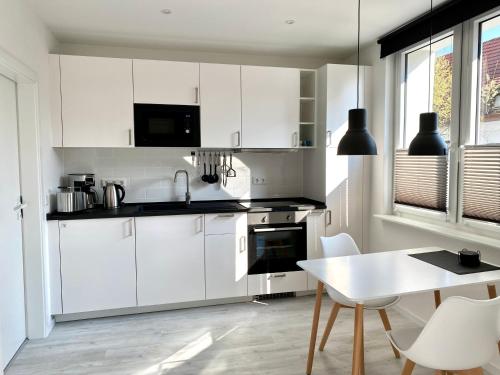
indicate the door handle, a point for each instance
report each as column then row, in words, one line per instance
column 238, row 137
column 276, row 276
column 328, row 138
column 130, row 229
column 225, row 215
column 196, row 95
column 243, row 246
column 328, row 217
column 199, row 221
column 295, row 139
column 20, row 206
column 130, row 137
column 284, row 229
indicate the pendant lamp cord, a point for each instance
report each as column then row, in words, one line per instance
column 359, row 32
column 429, row 105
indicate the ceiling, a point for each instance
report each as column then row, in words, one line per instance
column 322, row 28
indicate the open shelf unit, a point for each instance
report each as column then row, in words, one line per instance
column 307, row 124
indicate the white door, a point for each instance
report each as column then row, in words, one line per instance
column 166, row 82
column 97, row 264
column 226, row 256
column 97, row 102
column 12, row 310
column 170, row 259
column 270, row 107
column 220, row 90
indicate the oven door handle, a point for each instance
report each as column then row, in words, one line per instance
column 260, row 230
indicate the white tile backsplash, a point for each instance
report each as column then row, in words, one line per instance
column 150, row 173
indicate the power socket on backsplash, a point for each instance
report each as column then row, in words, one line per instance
column 259, row 181
column 123, row 181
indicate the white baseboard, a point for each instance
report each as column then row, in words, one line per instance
column 491, row 368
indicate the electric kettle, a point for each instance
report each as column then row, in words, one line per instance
column 113, row 195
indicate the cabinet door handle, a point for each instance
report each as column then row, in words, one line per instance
column 243, row 244
column 276, row 276
column 328, row 217
column 130, row 229
column 199, row 226
column 295, row 138
column 196, row 95
column 328, row 138
column 238, row 137
column 225, row 215
column 130, row 137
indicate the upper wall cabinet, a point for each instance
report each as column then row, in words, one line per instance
column 270, row 107
column 96, row 101
column 220, row 87
column 166, row 82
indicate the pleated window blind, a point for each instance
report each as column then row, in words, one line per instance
column 481, row 191
column 421, row 181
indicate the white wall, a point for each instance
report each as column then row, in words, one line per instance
column 385, row 236
column 150, row 173
column 26, row 39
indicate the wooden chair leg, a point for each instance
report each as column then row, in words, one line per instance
column 358, row 345
column 387, row 327
column 314, row 328
column 437, row 298
column 408, row 369
column 331, row 320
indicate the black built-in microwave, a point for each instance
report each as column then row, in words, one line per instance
column 165, row 125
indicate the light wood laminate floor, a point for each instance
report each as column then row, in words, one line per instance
column 270, row 337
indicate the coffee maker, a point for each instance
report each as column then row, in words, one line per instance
column 84, row 182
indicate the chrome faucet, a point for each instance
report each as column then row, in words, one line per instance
column 188, row 195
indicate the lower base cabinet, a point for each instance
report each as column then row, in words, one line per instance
column 269, row 283
column 97, row 264
column 315, row 230
column 170, row 259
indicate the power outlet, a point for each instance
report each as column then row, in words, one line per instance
column 259, row 180
column 115, row 180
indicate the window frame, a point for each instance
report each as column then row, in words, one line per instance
column 465, row 113
column 400, row 121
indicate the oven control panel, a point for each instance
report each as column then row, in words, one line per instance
column 264, row 218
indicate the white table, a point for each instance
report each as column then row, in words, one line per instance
column 361, row 278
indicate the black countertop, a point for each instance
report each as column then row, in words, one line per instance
column 171, row 208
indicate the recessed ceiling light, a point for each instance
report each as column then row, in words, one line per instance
column 166, row 11
column 290, row 22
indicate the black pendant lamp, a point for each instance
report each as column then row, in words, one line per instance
column 357, row 140
column 428, row 141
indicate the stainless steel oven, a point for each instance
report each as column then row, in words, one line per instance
column 276, row 241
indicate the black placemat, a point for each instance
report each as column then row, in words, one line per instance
column 449, row 261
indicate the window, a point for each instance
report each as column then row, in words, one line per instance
column 423, row 181
column 465, row 92
column 416, row 95
column 488, row 120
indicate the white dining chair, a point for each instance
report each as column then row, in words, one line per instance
column 460, row 337
column 343, row 245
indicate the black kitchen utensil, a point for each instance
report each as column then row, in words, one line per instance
column 210, row 178
column 216, row 176
column 204, row 178
column 469, row 258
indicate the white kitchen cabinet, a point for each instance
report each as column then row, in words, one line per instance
column 315, row 230
column 270, row 107
column 170, row 259
column 97, row 264
column 97, row 101
column 226, row 257
column 282, row 282
column 220, row 90
column 55, row 100
column 166, row 82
